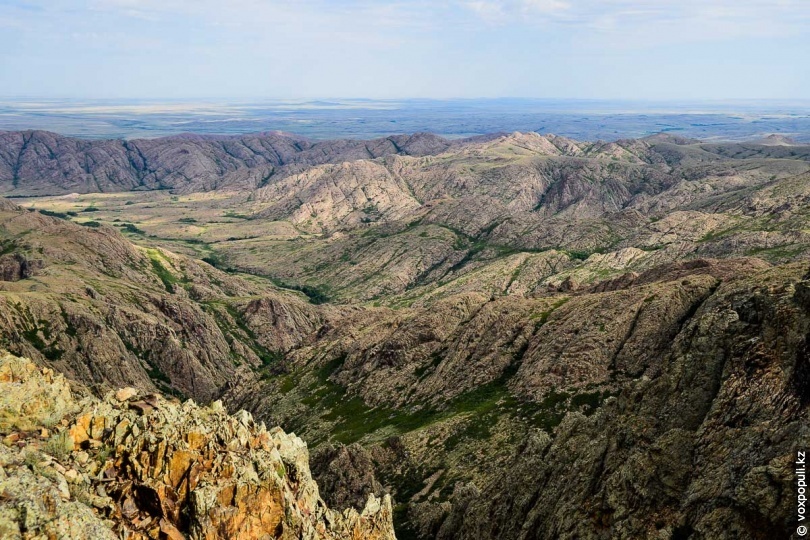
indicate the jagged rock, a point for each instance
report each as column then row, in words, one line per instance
column 31, row 397
column 125, row 394
column 173, row 470
column 37, row 503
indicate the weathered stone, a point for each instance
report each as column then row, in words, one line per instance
column 126, row 393
column 225, row 476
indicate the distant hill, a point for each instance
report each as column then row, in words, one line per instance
column 44, row 163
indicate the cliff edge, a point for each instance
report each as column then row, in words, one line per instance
column 140, row 466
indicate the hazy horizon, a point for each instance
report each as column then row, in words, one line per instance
column 589, row 69
column 333, row 118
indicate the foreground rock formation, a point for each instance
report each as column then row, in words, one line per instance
column 139, row 466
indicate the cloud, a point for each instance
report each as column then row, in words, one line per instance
column 403, row 47
column 728, row 17
column 504, row 11
column 401, row 12
column 374, row 17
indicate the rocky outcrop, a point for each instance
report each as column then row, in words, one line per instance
column 17, row 266
column 328, row 197
column 139, row 466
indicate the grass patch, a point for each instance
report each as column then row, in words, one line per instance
column 315, row 293
column 778, row 253
column 8, row 246
column 287, row 384
column 352, row 418
column 582, row 255
column 59, row 445
column 166, row 277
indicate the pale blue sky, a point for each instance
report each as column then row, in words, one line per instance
column 629, row 49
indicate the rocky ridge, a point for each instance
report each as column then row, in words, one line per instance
column 40, row 162
column 140, row 466
column 522, row 337
column 410, row 220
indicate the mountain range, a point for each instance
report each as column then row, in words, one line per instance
column 514, row 336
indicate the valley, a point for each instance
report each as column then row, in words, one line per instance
column 515, row 336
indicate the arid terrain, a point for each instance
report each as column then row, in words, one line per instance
column 514, row 336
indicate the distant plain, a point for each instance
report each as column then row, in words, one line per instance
column 363, row 119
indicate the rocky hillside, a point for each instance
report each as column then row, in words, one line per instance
column 91, row 305
column 516, row 214
column 140, row 466
column 502, row 215
column 43, row 163
column 516, row 337
column 669, row 405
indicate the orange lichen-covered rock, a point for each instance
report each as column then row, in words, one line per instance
column 159, row 469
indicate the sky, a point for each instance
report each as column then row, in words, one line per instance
column 392, row 49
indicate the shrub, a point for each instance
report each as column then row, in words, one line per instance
column 59, row 445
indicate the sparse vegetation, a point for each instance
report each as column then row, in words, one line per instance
column 130, row 228
column 166, row 277
column 60, row 215
column 59, row 445
column 443, row 342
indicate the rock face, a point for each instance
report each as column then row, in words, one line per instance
column 346, row 475
column 16, row 266
column 701, row 447
column 144, row 467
